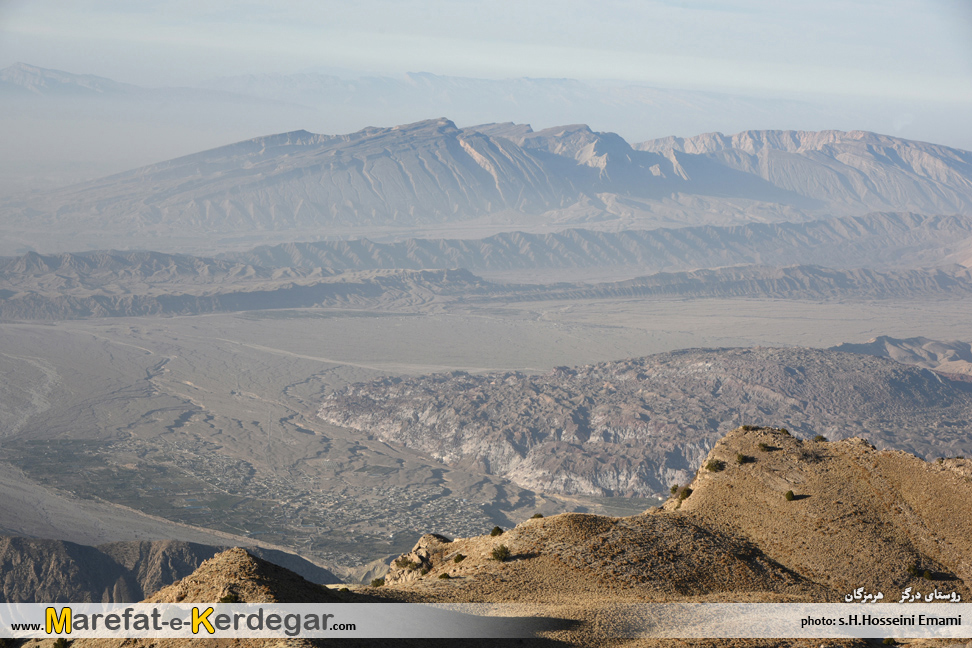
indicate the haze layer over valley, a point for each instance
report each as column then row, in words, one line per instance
column 332, row 345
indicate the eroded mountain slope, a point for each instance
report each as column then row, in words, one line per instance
column 634, row 427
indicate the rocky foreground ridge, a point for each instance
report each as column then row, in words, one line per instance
column 37, row 570
column 634, row 427
column 856, row 517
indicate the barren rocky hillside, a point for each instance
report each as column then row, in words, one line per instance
column 634, row 427
column 859, row 517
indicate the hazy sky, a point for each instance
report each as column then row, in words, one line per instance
column 884, row 48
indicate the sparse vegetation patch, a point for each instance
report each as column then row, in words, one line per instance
column 497, row 531
column 715, row 465
column 501, row 553
column 459, row 558
column 377, row 582
column 789, row 496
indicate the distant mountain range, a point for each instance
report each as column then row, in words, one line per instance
column 878, row 240
column 61, row 127
column 34, row 287
column 432, row 175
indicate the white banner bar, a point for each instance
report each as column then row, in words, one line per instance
column 457, row 621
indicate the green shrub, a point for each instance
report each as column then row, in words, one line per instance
column 501, row 553
column 459, row 558
column 888, row 641
column 749, row 428
column 928, row 575
column 820, row 438
column 914, row 571
column 345, row 589
column 378, row 582
column 425, row 570
column 444, row 576
column 684, row 492
column 405, row 563
column 496, row 531
column 785, row 431
column 715, row 465
column 744, row 459
column 789, row 496
column 763, row 446
column 60, row 642
column 231, row 597
column 673, row 489
column 536, row 516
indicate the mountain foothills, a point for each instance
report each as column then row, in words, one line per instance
column 897, row 248
column 637, row 426
column 497, row 177
column 876, row 240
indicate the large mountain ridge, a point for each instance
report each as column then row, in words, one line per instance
column 501, row 177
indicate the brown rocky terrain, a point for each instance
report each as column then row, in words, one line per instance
column 634, row 427
column 860, row 518
column 36, row 570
